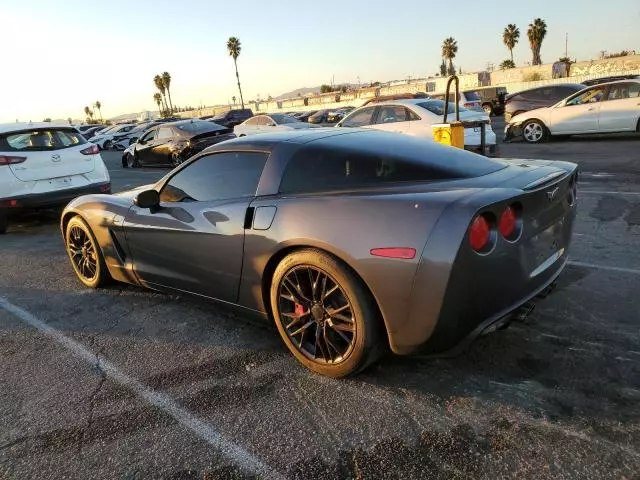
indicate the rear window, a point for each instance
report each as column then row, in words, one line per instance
column 377, row 160
column 197, row 126
column 437, row 107
column 40, row 140
column 472, row 96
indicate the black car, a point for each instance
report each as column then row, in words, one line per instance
column 492, row 99
column 232, row 118
column 598, row 81
column 173, row 143
column 304, row 116
column 538, row 97
column 321, row 116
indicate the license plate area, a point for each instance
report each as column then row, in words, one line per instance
column 546, row 248
column 61, row 182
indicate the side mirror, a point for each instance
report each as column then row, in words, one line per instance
column 133, row 140
column 147, row 199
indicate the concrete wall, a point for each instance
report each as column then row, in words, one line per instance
column 514, row 79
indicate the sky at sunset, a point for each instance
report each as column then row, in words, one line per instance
column 59, row 56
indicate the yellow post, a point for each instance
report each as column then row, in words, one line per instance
column 449, row 134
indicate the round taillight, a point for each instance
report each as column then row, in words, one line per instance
column 479, row 233
column 507, row 223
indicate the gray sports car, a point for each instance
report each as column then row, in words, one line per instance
column 350, row 241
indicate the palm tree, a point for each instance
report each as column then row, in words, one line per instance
column 234, row 48
column 234, row 99
column 507, row 64
column 157, row 80
column 88, row 113
column 510, row 37
column 536, row 33
column 449, row 50
column 98, row 105
column 166, row 81
column 158, row 99
column 70, row 121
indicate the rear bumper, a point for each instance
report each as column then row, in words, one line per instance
column 50, row 199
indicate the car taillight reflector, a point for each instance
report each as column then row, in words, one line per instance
column 394, row 252
column 479, row 233
column 507, row 222
column 11, row 160
column 8, row 203
column 92, row 150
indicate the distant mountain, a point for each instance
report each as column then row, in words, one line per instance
column 303, row 91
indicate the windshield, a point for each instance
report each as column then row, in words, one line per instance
column 281, row 119
column 437, row 107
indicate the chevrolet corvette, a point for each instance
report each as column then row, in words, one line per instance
column 352, row 241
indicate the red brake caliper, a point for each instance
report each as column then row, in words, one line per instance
column 299, row 309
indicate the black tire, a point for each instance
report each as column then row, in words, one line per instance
column 107, row 144
column 534, row 131
column 176, row 159
column 356, row 336
column 4, row 224
column 89, row 254
column 131, row 161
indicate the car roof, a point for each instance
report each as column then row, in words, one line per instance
column 403, row 101
column 21, row 126
column 615, row 82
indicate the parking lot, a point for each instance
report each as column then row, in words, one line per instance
column 131, row 384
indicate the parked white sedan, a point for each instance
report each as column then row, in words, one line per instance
column 606, row 108
column 416, row 116
column 268, row 123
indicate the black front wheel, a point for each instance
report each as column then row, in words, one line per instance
column 326, row 316
column 85, row 254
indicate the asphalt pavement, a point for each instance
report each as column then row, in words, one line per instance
column 125, row 383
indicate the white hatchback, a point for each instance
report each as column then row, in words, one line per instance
column 416, row 117
column 46, row 165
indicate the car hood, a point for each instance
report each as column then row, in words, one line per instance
column 540, row 113
column 297, row 126
column 130, row 194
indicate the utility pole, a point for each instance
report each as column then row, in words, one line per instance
column 566, row 44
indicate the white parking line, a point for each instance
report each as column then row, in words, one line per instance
column 603, row 192
column 604, row 267
column 163, row 402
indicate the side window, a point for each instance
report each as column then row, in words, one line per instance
column 164, row 133
column 593, row 95
column 391, row 114
column 623, row 91
column 411, row 115
column 218, row 176
column 359, row 118
column 317, row 169
column 149, row 136
column 252, row 121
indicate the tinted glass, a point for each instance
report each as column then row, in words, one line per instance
column 197, row 126
column 377, row 160
column 359, row 118
column 40, row 140
column 149, row 136
column 472, row 96
column 217, row 176
column 437, row 107
column 281, row 119
column 164, row 133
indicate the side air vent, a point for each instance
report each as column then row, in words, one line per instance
column 117, row 246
